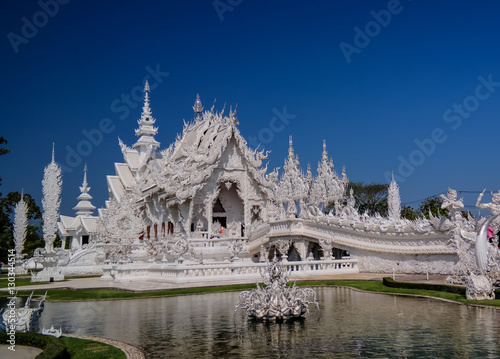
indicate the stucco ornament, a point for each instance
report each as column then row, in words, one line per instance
column 119, row 226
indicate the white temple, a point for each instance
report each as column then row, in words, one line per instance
column 206, row 208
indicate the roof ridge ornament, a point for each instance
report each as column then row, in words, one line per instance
column 213, row 106
column 198, row 108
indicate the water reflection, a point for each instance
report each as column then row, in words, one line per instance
column 348, row 324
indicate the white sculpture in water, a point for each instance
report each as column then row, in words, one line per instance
column 52, row 331
column 276, row 302
column 52, row 185
column 25, row 317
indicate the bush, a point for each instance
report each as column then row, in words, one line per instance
column 389, row 282
column 53, row 348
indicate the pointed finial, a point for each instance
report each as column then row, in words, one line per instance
column 146, row 86
column 290, row 141
column 324, row 145
column 198, row 108
column 212, row 109
column 53, row 151
column 85, row 176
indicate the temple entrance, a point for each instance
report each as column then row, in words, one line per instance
column 228, row 210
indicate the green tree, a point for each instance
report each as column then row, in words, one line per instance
column 3, row 151
column 432, row 205
column 370, row 198
column 409, row 213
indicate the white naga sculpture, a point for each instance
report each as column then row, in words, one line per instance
column 479, row 285
column 23, row 319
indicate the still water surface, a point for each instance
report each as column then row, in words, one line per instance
column 349, row 324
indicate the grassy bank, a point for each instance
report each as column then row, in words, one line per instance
column 365, row 285
column 89, row 349
column 66, row 347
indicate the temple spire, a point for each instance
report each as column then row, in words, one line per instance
column 146, row 131
column 290, row 147
column 84, row 207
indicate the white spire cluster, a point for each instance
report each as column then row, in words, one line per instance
column 327, row 186
column 292, row 183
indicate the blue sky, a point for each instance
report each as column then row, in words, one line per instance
column 406, row 86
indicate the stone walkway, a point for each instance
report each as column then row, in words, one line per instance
column 21, row 352
column 130, row 351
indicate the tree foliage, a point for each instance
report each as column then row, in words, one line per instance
column 370, row 198
column 432, row 205
column 3, row 151
column 409, row 213
column 7, row 203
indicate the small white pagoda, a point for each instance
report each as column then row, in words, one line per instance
column 77, row 230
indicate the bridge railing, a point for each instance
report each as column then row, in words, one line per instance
column 237, row 271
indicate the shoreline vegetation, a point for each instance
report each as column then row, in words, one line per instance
column 66, row 347
column 449, row 293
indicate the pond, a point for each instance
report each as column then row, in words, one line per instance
column 348, row 324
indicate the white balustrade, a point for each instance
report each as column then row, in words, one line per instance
column 228, row 272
